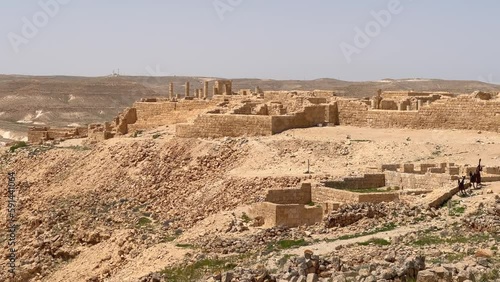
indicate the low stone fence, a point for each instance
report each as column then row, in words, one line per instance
column 417, row 181
column 37, row 135
column 290, row 196
column 322, row 194
column 367, row 181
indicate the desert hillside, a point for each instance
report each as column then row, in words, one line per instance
column 138, row 207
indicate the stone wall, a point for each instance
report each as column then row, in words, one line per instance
column 37, row 135
column 449, row 113
column 288, row 207
column 266, row 211
column 154, row 114
column 417, row 181
column 437, row 198
column 322, row 194
column 292, row 215
column 290, row 196
column 297, row 215
column 388, row 105
column 128, row 116
column 368, row 181
column 99, row 132
column 234, row 125
column 492, row 170
column 390, row 167
column 378, row 197
column 311, row 116
column 216, row 125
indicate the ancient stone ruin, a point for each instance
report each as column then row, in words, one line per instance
column 262, row 113
column 288, row 207
column 38, row 135
column 306, row 205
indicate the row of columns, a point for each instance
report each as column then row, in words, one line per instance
column 199, row 93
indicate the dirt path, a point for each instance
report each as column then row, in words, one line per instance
column 324, row 248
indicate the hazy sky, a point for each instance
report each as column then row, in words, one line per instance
column 279, row 39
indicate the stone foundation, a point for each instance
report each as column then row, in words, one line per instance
column 368, row 181
column 38, row 135
column 321, row 194
column 234, row 125
column 288, row 207
column 447, row 113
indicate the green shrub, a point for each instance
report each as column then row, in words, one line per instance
column 197, row 270
column 284, row 244
column 375, row 241
column 18, row 145
column 245, row 218
column 186, row 246
column 136, row 133
column 143, row 221
column 287, row 244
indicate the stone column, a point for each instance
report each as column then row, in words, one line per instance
column 205, row 90
column 171, row 90
column 374, row 103
column 400, row 106
column 419, row 104
column 378, row 99
column 229, row 89
column 187, row 90
column 408, row 108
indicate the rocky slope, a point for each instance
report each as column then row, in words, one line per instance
column 128, row 207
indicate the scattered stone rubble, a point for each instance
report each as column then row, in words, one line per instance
column 487, row 218
column 314, row 268
column 391, row 212
column 251, row 242
column 394, row 263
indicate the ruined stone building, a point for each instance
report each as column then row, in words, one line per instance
column 262, row 113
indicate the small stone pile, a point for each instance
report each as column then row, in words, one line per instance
column 252, row 242
column 393, row 212
column 236, row 225
column 351, row 214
